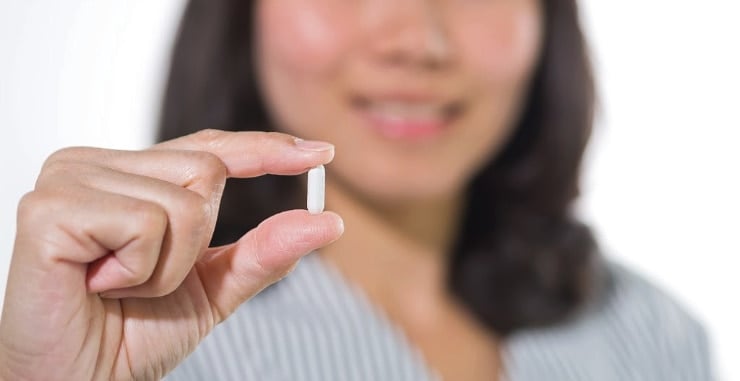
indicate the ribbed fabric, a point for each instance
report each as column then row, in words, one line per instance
column 315, row 326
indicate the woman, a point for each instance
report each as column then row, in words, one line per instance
column 459, row 128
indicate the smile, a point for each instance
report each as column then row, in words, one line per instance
column 407, row 119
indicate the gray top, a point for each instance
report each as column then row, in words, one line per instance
column 314, row 325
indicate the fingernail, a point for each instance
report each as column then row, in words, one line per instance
column 340, row 225
column 313, row 145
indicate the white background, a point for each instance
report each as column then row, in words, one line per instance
column 661, row 186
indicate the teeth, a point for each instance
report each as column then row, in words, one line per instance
column 406, row 111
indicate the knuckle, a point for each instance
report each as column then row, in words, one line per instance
column 36, row 207
column 208, row 166
column 269, row 245
column 57, row 170
column 66, row 153
column 70, row 154
column 193, row 205
column 260, row 268
column 149, row 216
column 276, row 137
column 70, row 163
column 286, row 271
column 31, row 207
column 53, row 166
column 258, row 263
column 207, row 137
column 193, row 211
column 36, row 221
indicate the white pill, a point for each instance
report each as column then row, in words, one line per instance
column 315, row 190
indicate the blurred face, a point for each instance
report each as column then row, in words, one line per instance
column 416, row 95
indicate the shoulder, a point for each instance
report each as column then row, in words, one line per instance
column 636, row 302
column 649, row 316
column 632, row 330
column 664, row 335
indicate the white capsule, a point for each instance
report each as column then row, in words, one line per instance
column 315, row 190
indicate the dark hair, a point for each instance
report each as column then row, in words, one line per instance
column 521, row 259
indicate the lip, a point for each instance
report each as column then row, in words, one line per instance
column 406, row 116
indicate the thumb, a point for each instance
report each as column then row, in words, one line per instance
column 234, row 273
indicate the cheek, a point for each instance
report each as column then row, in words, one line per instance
column 300, row 36
column 502, row 44
column 301, row 48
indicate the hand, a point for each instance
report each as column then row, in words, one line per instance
column 111, row 275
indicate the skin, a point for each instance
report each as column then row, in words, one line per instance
column 111, row 276
column 316, row 56
column 402, row 198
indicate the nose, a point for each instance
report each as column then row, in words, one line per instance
column 412, row 33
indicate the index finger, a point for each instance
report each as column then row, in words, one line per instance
column 255, row 153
